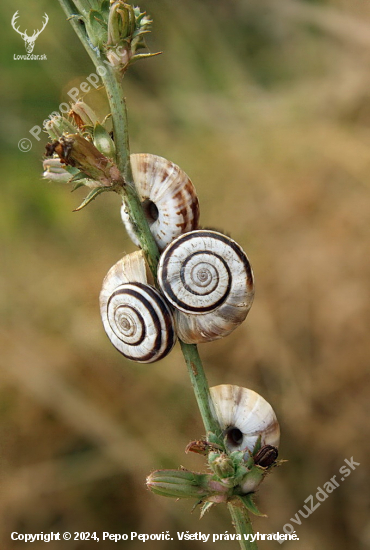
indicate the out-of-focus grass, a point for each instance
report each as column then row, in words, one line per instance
column 266, row 106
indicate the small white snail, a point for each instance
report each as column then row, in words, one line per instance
column 244, row 416
column 136, row 318
column 168, row 197
column 208, row 279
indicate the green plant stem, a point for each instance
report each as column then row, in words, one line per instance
column 113, row 88
column 242, row 524
column 200, row 386
column 112, row 82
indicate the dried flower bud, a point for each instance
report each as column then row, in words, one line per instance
column 76, row 151
column 83, row 115
column 201, row 447
column 59, row 125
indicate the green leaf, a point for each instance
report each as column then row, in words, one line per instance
column 78, row 177
column 138, row 56
column 103, row 142
column 212, row 438
column 100, row 20
column 77, row 185
column 94, row 4
column 83, row 6
column 72, row 170
column 237, row 456
column 257, row 446
column 132, row 20
column 96, row 28
column 90, row 197
column 104, row 8
column 206, row 508
column 249, row 462
column 248, row 502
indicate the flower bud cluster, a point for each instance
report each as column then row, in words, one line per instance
column 234, row 475
column 237, row 471
column 115, row 28
column 82, row 152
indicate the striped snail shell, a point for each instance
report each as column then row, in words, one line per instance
column 168, row 197
column 244, row 416
column 208, row 279
column 136, row 318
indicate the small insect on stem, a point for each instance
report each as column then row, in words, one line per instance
column 266, row 456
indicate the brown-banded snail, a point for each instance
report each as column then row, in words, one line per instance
column 244, row 417
column 208, row 279
column 136, row 318
column 168, row 197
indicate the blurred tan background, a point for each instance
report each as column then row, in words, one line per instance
column 266, row 105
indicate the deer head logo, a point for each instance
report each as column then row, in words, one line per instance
column 29, row 41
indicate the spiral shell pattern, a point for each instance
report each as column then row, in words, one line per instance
column 168, row 197
column 244, row 416
column 208, row 279
column 136, row 318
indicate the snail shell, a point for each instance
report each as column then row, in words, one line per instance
column 244, row 415
column 168, row 197
column 136, row 318
column 208, row 279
